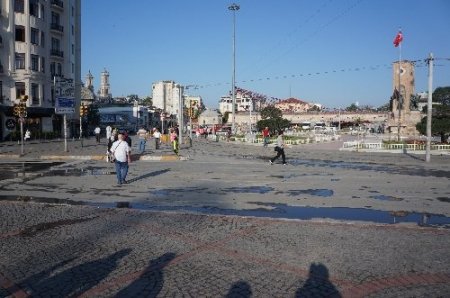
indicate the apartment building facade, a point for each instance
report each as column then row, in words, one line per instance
column 40, row 44
column 166, row 96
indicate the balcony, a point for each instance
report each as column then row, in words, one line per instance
column 56, row 53
column 56, row 27
column 58, row 4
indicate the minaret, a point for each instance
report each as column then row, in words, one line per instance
column 89, row 83
column 104, row 85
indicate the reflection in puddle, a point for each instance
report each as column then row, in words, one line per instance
column 249, row 189
column 269, row 210
column 314, row 192
column 386, row 198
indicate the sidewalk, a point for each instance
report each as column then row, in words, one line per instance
column 163, row 247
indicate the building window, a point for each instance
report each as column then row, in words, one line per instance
column 34, row 62
column 20, row 33
column 59, row 69
column 73, row 68
column 19, row 6
column 73, row 30
column 20, row 60
column 55, row 44
column 42, row 12
column 34, row 36
column 34, row 93
column 53, row 69
column 34, row 8
column 1, row 91
column 42, row 39
column 55, row 18
column 20, row 89
column 73, row 11
column 73, row 49
column 43, row 64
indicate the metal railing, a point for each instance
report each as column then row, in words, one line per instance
column 56, row 27
column 385, row 146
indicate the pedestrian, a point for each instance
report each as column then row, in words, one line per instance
column 108, row 132
column 122, row 155
column 228, row 134
column 27, row 135
column 174, row 140
column 279, row 148
column 97, row 134
column 127, row 138
column 266, row 135
column 142, row 135
column 157, row 136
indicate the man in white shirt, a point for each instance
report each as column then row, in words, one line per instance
column 157, row 136
column 122, row 153
column 97, row 134
column 142, row 135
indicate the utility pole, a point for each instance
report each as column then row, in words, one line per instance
column 234, row 7
column 429, row 106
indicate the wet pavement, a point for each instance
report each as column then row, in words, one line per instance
column 225, row 222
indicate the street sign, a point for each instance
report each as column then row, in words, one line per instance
column 65, row 105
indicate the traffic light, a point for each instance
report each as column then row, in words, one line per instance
column 23, row 98
column 83, row 110
column 16, row 110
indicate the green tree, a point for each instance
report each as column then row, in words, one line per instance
column 272, row 118
column 225, row 117
column 93, row 116
column 352, row 108
column 148, row 101
column 440, row 120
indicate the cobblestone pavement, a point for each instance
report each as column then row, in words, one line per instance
column 60, row 250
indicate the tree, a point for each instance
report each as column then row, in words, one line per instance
column 272, row 118
column 352, row 108
column 271, row 112
column 93, row 116
column 440, row 120
column 148, row 101
column 225, row 117
column 442, row 95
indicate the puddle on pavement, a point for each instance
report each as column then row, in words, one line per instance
column 444, row 199
column 27, row 169
column 386, row 198
column 23, row 169
column 391, row 169
column 165, row 192
column 269, row 210
column 313, row 192
column 249, row 189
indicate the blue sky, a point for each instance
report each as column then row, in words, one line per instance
column 278, row 44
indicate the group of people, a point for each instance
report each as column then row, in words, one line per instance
column 119, row 147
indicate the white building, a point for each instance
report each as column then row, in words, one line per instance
column 39, row 40
column 166, row 96
column 246, row 100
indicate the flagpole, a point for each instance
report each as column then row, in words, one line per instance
column 399, row 105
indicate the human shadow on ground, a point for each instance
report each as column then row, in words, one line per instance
column 318, row 283
column 75, row 280
column 151, row 281
column 239, row 289
column 151, row 174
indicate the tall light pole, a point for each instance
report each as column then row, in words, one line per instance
column 233, row 7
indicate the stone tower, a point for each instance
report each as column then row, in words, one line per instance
column 89, row 83
column 105, row 91
column 403, row 119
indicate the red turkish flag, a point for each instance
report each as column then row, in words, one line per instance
column 398, row 39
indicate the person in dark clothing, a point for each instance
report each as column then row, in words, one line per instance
column 127, row 138
column 279, row 148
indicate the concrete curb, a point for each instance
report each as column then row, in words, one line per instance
column 98, row 157
column 401, row 151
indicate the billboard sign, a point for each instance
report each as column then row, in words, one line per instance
column 65, row 105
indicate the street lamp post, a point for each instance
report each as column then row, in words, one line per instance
column 234, row 7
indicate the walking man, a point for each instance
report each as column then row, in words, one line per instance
column 142, row 135
column 97, row 134
column 157, row 136
column 122, row 154
column 279, row 148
